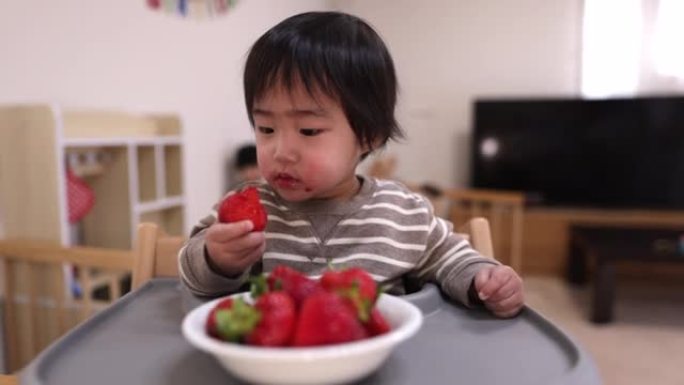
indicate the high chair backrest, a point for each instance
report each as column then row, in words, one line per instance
column 40, row 304
column 8, row 379
column 479, row 235
column 156, row 254
column 502, row 209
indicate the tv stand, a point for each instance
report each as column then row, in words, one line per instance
column 547, row 234
column 608, row 247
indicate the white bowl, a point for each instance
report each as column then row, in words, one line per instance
column 331, row 364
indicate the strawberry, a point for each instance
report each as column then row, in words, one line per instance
column 210, row 325
column 377, row 324
column 233, row 320
column 356, row 285
column 327, row 318
column 243, row 205
column 298, row 285
column 277, row 320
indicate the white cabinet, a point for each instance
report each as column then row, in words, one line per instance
column 133, row 163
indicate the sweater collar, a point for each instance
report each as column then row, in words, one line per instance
column 332, row 206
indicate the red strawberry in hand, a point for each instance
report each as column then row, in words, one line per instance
column 327, row 318
column 277, row 321
column 241, row 206
column 356, row 285
column 298, row 285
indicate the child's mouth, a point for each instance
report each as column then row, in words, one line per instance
column 286, row 181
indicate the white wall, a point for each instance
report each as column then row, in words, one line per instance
column 449, row 52
column 116, row 54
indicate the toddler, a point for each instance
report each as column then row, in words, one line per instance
column 320, row 90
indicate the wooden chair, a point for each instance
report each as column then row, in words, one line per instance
column 39, row 306
column 156, row 254
column 477, row 231
column 504, row 211
column 8, row 379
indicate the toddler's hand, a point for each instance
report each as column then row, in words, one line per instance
column 501, row 290
column 233, row 247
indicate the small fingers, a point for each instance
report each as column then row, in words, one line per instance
column 481, row 278
column 253, row 255
column 249, row 258
column 242, row 244
column 509, row 288
column 508, row 307
column 226, row 232
column 498, row 277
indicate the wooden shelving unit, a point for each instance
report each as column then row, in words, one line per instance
column 545, row 247
column 139, row 178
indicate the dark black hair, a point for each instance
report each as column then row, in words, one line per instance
column 246, row 156
column 334, row 53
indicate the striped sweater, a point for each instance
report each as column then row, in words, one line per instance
column 386, row 229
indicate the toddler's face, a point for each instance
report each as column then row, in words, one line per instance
column 306, row 148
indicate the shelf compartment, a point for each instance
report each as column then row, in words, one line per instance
column 160, row 204
column 147, row 175
column 170, row 219
column 108, row 223
column 173, row 159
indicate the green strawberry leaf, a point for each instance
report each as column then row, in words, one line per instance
column 234, row 323
column 258, row 286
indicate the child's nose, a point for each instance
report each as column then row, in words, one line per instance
column 286, row 150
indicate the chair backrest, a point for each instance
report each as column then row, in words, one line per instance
column 504, row 212
column 8, row 379
column 156, row 254
column 40, row 305
column 479, row 235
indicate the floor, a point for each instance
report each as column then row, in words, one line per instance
column 645, row 343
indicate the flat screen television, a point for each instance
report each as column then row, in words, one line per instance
column 611, row 153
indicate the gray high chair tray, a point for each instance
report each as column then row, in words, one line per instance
column 138, row 341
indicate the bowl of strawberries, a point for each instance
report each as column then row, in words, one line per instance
column 290, row 329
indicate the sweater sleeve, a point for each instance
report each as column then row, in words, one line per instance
column 194, row 268
column 450, row 261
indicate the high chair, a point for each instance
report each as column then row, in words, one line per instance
column 38, row 305
column 477, row 231
column 503, row 210
column 157, row 253
column 8, row 379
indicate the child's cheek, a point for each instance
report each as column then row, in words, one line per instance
column 316, row 168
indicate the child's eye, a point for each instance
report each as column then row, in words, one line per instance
column 310, row 131
column 265, row 130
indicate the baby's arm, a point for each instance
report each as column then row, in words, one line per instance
column 467, row 276
column 209, row 264
column 450, row 261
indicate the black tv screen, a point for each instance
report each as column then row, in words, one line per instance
column 609, row 153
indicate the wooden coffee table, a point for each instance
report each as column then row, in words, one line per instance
column 610, row 245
